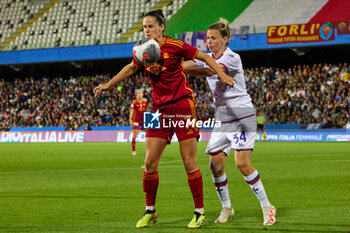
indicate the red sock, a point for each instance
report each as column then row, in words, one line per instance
column 196, row 186
column 133, row 144
column 150, row 186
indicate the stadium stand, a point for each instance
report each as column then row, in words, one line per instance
column 206, row 12
column 257, row 14
column 33, row 24
column 65, row 102
column 14, row 18
column 64, row 23
column 333, row 10
column 301, row 94
column 261, row 14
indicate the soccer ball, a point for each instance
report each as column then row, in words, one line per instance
column 146, row 51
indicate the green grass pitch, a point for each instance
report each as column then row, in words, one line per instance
column 97, row 187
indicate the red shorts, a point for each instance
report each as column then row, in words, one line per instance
column 137, row 124
column 176, row 118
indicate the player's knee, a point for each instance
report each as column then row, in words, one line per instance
column 150, row 166
column 215, row 168
column 190, row 165
column 242, row 165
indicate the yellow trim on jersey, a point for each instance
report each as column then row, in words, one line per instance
column 178, row 45
column 184, row 75
column 193, row 111
column 175, row 41
column 195, row 55
column 186, row 85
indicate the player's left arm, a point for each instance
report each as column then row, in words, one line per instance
column 126, row 72
column 215, row 66
column 191, row 68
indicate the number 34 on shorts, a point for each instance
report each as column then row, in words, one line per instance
column 242, row 140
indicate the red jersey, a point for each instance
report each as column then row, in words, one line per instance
column 139, row 108
column 169, row 82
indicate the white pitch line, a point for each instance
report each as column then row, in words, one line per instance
column 68, row 170
column 90, row 169
column 78, row 170
column 173, row 161
column 135, row 168
column 313, row 161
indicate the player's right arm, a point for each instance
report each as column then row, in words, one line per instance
column 131, row 116
column 126, row 72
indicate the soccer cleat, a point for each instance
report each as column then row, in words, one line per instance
column 197, row 221
column 148, row 216
column 134, row 153
column 269, row 215
column 225, row 214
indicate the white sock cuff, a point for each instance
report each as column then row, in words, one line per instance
column 199, row 210
column 219, row 179
column 151, row 208
column 251, row 176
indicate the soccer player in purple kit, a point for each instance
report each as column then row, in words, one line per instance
column 234, row 108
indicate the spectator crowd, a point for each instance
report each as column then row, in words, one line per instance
column 301, row 94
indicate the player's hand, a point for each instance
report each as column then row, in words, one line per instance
column 130, row 122
column 228, row 80
column 100, row 88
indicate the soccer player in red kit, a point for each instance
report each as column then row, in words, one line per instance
column 171, row 95
column 138, row 106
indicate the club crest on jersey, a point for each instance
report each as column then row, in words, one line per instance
column 165, row 55
column 155, row 68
